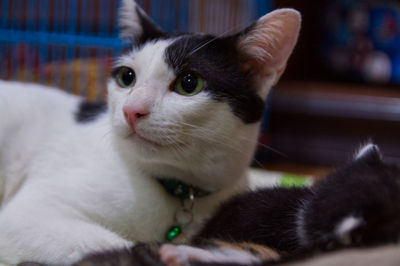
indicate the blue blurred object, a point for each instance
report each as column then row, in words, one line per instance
column 59, row 43
column 363, row 40
column 384, row 28
column 70, row 43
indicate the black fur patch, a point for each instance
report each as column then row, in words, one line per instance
column 367, row 189
column 89, row 111
column 266, row 217
column 219, row 63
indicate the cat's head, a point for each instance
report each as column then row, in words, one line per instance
column 191, row 103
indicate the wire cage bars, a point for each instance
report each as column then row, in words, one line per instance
column 70, row 44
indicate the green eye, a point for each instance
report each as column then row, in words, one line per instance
column 189, row 84
column 125, row 77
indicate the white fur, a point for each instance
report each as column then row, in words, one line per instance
column 347, row 225
column 364, row 150
column 344, row 228
column 129, row 20
column 300, row 223
column 183, row 255
column 69, row 189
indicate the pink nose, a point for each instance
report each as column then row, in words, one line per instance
column 132, row 115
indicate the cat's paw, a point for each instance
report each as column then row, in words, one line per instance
column 220, row 253
column 172, row 255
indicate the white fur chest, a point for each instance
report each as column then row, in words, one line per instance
column 89, row 181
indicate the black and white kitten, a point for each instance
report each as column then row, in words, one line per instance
column 183, row 112
column 357, row 205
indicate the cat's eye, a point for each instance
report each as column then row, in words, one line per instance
column 125, row 77
column 189, row 84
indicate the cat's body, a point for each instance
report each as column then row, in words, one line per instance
column 183, row 107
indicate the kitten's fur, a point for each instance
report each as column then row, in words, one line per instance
column 75, row 178
column 357, row 205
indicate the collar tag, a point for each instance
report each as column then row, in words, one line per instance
column 181, row 190
column 184, row 215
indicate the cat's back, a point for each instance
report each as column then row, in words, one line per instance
column 27, row 104
column 22, row 97
column 263, row 217
column 29, row 114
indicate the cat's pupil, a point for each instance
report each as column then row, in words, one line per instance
column 127, row 76
column 189, row 83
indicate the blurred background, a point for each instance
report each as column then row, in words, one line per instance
column 70, row 44
column 341, row 87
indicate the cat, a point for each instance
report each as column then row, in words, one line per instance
column 174, row 140
column 358, row 205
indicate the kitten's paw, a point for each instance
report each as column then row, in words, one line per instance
column 173, row 255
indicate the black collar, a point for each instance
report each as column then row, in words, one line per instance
column 180, row 189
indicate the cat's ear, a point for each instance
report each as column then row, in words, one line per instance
column 369, row 153
column 135, row 24
column 267, row 44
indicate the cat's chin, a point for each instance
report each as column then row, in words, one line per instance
column 142, row 140
column 139, row 139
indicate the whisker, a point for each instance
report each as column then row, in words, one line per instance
column 212, row 140
column 271, row 149
column 258, row 163
column 206, row 130
column 179, row 150
column 210, row 41
column 175, row 146
column 203, row 45
column 108, row 132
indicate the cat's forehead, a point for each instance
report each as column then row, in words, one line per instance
column 149, row 59
column 178, row 53
column 185, row 49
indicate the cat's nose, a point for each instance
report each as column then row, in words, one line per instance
column 132, row 115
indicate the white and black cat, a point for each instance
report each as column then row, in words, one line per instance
column 174, row 141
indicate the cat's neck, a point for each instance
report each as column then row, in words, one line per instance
column 200, row 176
column 208, row 168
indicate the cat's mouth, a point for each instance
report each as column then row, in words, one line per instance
column 141, row 138
column 149, row 141
column 144, row 139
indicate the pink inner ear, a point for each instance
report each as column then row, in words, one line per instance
column 270, row 42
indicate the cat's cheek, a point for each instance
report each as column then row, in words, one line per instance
column 190, row 109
